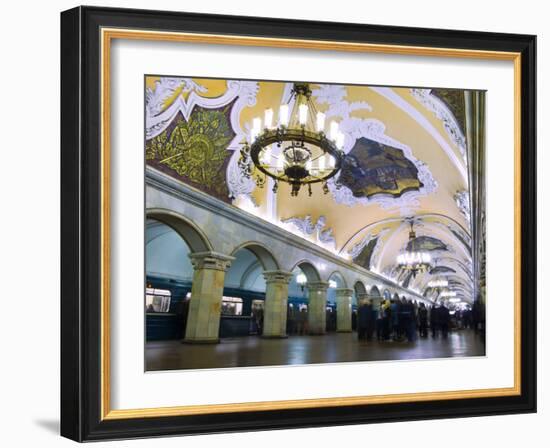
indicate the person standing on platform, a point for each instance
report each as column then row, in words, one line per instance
column 302, row 320
column 380, row 322
column 423, row 320
column 370, row 320
column 406, row 320
column 395, row 308
column 291, row 319
column 444, row 319
column 434, row 320
column 387, row 320
column 410, row 324
column 362, row 318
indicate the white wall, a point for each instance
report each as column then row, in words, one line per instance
column 30, row 192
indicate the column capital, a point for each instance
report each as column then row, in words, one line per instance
column 210, row 260
column 344, row 292
column 317, row 286
column 277, row 276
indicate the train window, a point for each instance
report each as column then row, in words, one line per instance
column 157, row 300
column 232, row 306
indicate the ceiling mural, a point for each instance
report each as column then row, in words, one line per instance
column 372, row 168
column 364, row 257
column 404, row 157
column 426, row 243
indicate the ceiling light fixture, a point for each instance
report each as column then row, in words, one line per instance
column 413, row 259
column 296, row 151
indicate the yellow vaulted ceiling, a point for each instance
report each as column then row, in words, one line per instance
column 412, row 123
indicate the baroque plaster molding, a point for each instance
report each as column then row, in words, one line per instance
column 158, row 119
column 462, row 199
column 354, row 128
column 318, row 231
column 443, row 113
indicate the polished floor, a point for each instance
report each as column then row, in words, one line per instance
column 333, row 347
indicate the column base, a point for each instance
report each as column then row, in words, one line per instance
column 200, row 341
column 274, row 337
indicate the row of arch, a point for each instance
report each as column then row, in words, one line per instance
column 178, row 251
column 198, row 242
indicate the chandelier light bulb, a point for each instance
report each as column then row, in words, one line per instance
column 333, row 130
column 438, row 283
column 320, row 121
column 257, row 124
column 266, row 157
column 321, row 163
column 340, row 137
column 253, row 134
column 302, row 114
column 283, row 115
column 280, row 163
column 448, row 294
column 308, row 165
column 268, row 118
column 256, row 129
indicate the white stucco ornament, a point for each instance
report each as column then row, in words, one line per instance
column 355, row 128
column 305, row 227
column 447, row 118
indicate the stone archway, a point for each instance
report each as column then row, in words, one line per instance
column 195, row 238
column 317, row 297
column 343, row 298
column 273, row 319
column 203, row 317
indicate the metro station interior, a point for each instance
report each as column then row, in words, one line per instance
column 260, row 251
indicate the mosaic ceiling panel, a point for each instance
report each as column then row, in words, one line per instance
column 426, row 243
column 195, row 150
column 372, row 168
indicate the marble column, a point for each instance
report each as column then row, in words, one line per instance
column 343, row 310
column 317, row 307
column 203, row 319
column 276, row 299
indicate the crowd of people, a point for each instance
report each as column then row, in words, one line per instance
column 405, row 320
column 390, row 320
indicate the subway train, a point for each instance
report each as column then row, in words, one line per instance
column 167, row 302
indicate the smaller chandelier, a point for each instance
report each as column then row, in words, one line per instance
column 441, row 283
column 448, row 295
column 413, row 259
column 297, row 150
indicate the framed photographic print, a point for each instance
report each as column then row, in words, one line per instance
column 276, row 224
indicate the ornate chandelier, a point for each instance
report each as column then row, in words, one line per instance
column 448, row 295
column 438, row 284
column 413, row 259
column 296, row 151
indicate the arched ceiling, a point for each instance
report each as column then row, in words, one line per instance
column 405, row 159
